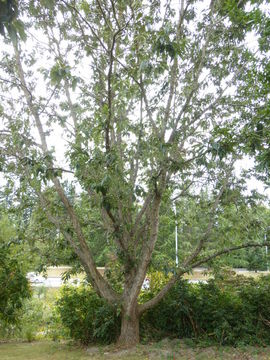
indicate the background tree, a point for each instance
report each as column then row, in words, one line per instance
column 147, row 97
column 239, row 218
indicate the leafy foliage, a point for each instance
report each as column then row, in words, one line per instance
column 14, row 287
column 88, row 317
column 227, row 310
column 238, row 219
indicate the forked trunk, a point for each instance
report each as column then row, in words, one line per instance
column 129, row 335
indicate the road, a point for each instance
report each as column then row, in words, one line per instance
column 54, row 276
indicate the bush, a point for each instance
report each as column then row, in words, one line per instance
column 38, row 319
column 14, row 288
column 88, row 317
column 226, row 310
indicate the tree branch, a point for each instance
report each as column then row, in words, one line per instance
column 195, row 83
column 156, row 299
column 100, row 282
column 97, row 280
column 209, row 227
column 173, row 74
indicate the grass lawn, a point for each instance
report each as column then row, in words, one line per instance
column 166, row 349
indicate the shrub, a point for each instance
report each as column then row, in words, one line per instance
column 38, row 318
column 88, row 317
column 14, row 288
column 226, row 310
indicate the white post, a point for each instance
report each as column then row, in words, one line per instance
column 266, row 250
column 176, row 237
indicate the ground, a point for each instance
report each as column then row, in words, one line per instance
column 164, row 350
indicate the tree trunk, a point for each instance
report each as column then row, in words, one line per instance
column 129, row 335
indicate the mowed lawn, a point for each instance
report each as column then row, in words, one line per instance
column 166, row 349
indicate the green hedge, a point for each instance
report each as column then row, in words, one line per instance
column 226, row 310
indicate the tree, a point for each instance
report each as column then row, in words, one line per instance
column 8, row 13
column 147, row 96
column 238, row 219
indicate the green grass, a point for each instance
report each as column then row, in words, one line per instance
column 40, row 351
column 164, row 350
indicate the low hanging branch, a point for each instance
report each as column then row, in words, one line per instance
column 155, row 300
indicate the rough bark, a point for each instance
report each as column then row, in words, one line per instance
column 129, row 335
